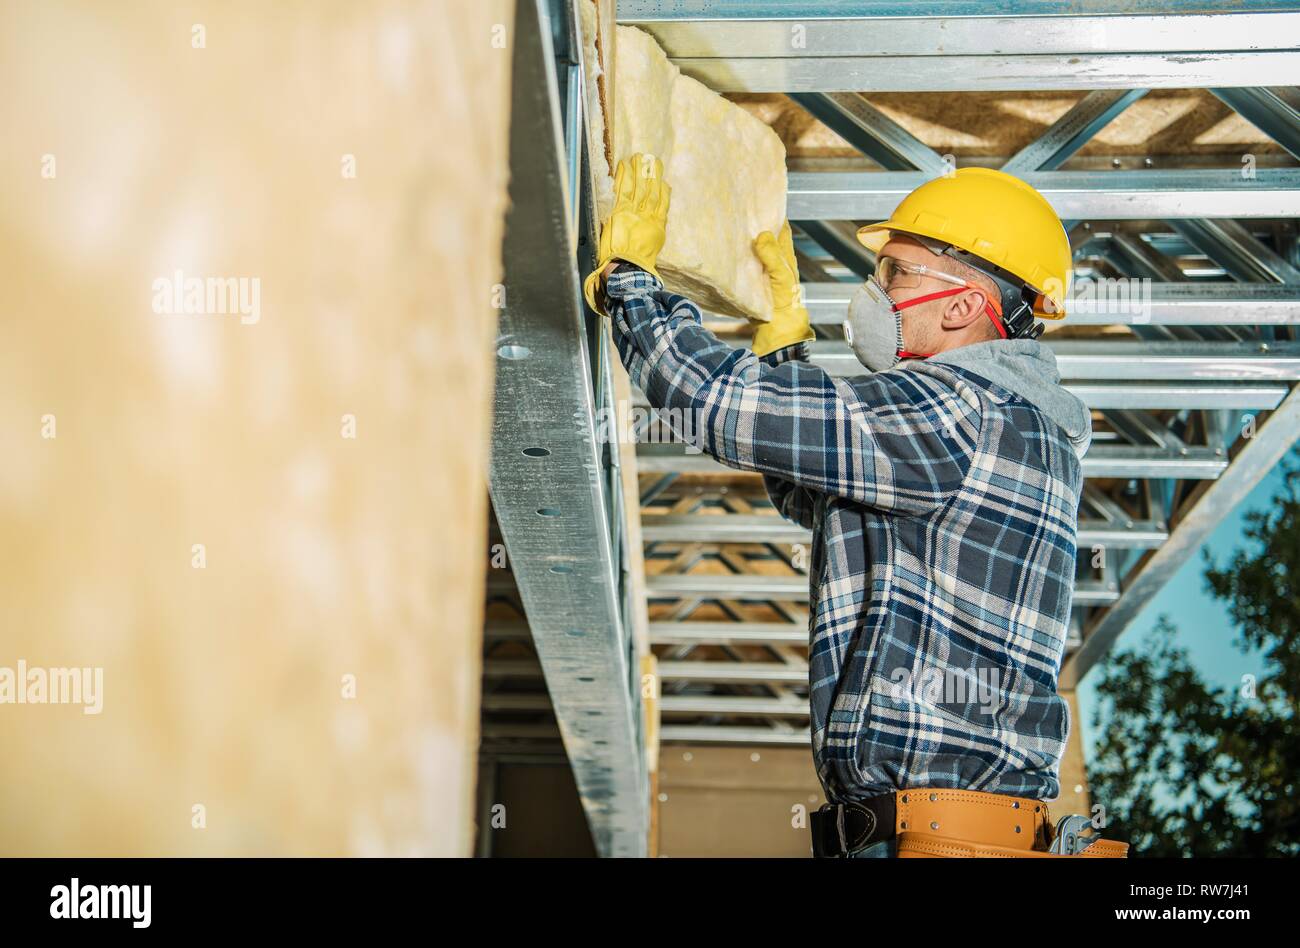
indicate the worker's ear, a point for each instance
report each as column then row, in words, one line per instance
column 963, row 309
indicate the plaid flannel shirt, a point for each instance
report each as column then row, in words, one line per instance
column 943, row 511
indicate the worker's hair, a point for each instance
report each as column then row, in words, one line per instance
column 951, row 264
column 982, row 280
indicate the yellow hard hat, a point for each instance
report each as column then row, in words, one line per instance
column 997, row 218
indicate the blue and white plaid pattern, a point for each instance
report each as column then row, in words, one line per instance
column 943, row 509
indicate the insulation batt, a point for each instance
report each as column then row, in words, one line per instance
column 726, row 169
column 596, row 40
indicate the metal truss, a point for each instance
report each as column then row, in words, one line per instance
column 1109, row 195
column 1173, row 304
column 555, row 488
column 798, row 46
column 1195, row 395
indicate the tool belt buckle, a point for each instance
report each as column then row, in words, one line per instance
column 1069, row 839
column 833, row 823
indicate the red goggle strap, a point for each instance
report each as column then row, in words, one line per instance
column 994, row 314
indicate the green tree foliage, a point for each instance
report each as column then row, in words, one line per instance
column 1184, row 768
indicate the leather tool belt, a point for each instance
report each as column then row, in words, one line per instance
column 947, row 823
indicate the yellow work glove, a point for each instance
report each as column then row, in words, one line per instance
column 636, row 227
column 789, row 323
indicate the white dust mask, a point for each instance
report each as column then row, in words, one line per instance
column 874, row 329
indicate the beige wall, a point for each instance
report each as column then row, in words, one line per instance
column 736, row 801
column 326, row 556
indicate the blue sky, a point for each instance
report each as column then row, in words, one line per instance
column 1204, row 627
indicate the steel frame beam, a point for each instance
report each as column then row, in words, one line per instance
column 1168, row 303
column 722, row 734
column 818, row 47
column 992, row 73
column 1072, row 130
column 546, row 482
column 757, row 588
column 839, row 239
column 772, row 528
column 1076, row 195
column 1255, row 458
column 1238, row 251
column 734, row 706
column 1269, row 112
column 872, row 132
column 1100, row 461
column 1093, row 359
column 1158, row 395
column 734, row 673
column 728, row 633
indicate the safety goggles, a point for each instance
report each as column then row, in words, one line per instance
column 895, row 274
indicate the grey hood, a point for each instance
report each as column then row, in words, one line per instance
column 1027, row 368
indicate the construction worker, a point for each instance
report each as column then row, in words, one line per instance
column 942, row 488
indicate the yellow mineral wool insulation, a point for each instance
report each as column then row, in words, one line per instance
column 597, row 40
column 726, row 169
column 242, row 514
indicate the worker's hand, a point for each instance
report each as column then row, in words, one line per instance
column 637, row 226
column 789, row 323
